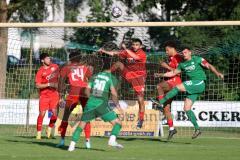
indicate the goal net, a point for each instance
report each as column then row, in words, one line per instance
column 217, row 109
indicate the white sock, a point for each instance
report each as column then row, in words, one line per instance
column 112, row 139
column 171, row 128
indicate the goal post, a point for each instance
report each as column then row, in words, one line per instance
column 217, row 109
column 120, row 24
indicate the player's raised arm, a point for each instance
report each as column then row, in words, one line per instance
column 168, row 74
column 212, row 68
column 111, row 53
column 166, row 66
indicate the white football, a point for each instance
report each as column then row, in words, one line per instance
column 116, row 12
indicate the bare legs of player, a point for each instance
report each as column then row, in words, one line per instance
column 50, row 126
column 163, row 88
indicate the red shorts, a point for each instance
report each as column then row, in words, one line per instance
column 137, row 81
column 73, row 100
column 48, row 103
column 172, row 82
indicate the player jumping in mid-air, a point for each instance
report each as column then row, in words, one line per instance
column 77, row 75
column 193, row 66
column 166, row 85
column 133, row 69
column 97, row 105
column 46, row 81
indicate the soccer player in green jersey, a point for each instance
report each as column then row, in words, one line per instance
column 98, row 91
column 193, row 66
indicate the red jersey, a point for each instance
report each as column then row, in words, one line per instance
column 137, row 66
column 47, row 75
column 173, row 63
column 77, row 75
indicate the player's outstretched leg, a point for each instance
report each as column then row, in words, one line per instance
column 115, row 132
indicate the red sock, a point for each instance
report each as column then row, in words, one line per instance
column 170, row 122
column 141, row 116
column 53, row 119
column 160, row 97
column 39, row 123
column 63, row 128
column 87, row 130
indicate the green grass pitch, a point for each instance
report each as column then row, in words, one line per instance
column 203, row 148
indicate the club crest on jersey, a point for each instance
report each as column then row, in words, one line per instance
column 52, row 69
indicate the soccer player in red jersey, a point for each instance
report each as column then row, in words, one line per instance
column 166, row 85
column 77, row 75
column 133, row 70
column 46, row 81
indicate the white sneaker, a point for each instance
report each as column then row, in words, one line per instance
column 88, row 144
column 71, row 146
column 61, row 144
column 115, row 145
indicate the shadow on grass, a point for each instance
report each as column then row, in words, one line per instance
column 148, row 139
column 51, row 144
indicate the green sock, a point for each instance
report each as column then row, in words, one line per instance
column 192, row 118
column 116, row 129
column 76, row 134
column 169, row 95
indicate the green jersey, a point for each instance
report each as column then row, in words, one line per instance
column 100, row 86
column 193, row 68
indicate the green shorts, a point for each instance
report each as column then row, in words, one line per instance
column 93, row 111
column 194, row 88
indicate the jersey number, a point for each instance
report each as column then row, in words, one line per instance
column 77, row 74
column 98, row 87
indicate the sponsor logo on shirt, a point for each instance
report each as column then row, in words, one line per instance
column 190, row 68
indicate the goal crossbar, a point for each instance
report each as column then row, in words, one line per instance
column 120, row 24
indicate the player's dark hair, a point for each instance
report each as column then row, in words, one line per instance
column 171, row 44
column 185, row 47
column 107, row 62
column 74, row 56
column 43, row 56
column 137, row 40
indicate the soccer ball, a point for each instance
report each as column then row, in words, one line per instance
column 116, row 12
